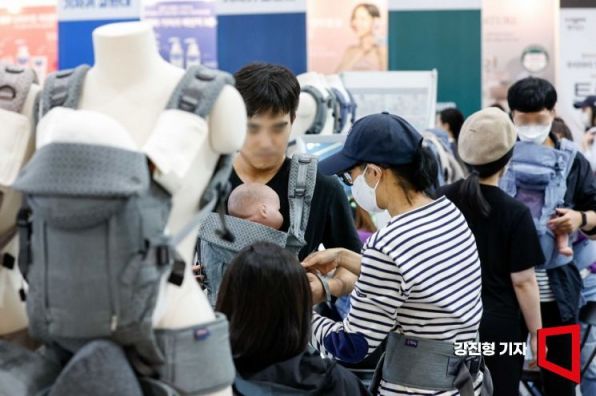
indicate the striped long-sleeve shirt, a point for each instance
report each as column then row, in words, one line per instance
column 420, row 276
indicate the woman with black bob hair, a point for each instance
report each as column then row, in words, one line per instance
column 417, row 283
column 507, row 243
column 266, row 296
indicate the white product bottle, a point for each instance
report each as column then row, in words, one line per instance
column 176, row 54
column 193, row 52
column 23, row 56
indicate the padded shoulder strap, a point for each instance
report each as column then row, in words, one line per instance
column 321, row 114
column 15, row 83
column 301, row 187
column 63, row 88
column 198, row 90
column 571, row 148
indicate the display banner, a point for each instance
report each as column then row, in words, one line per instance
column 28, row 38
column 347, row 35
column 577, row 57
column 271, row 31
column 78, row 18
column 448, row 42
column 185, row 30
column 518, row 40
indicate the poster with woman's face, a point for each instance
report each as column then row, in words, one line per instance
column 347, row 35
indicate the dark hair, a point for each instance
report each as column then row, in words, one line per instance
column 454, row 118
column 531, row 94
column 470, row 191
column 421, row 175
column 372, row 10
column 497, row 106
column 561, row 129
column 266, row 296
column 268, row 88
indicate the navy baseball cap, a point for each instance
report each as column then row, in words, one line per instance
column 383, row 138
column 589, row 101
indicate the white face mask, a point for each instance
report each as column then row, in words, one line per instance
column 535, row 133
column 364, row 195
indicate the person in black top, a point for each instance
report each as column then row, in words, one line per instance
column 507, row 243
column 532, row 102
column 270, row 324
column 271, row 95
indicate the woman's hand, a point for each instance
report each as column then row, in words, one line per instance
column 316, row 288
column 328, row 260
column 324, row 261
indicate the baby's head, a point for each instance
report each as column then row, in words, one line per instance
column 256, row 202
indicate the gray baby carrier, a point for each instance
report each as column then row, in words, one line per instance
column 93, row 246
column 214, row 253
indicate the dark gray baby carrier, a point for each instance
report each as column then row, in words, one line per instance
column 431, row 365
column 93, row 248
column 214, row 253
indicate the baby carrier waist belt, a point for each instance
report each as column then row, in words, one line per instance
column 431, row 364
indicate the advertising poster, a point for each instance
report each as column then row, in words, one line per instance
column 28, row 37
column 347, row 35
column 186, row 31
column 577, row 70
column 518, row 40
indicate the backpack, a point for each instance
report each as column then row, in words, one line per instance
column 450, row 170
column 537, row 176
column 214, row 253
column 93, row 245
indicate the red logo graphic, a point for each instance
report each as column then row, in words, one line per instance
column 574, row 330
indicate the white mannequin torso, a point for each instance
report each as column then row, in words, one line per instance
column 131, row 83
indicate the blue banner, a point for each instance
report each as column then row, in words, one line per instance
column 273, row 38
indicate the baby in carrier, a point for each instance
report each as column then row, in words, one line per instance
column 257, row 203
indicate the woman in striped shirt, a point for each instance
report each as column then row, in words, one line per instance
column 418, row 278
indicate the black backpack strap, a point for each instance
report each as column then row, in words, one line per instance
column 63, row 88
column 15, row 83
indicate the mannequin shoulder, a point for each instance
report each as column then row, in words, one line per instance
column 227, row 120
column 229, row 98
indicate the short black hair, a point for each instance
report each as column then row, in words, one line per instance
column 266, row 297
column 268, row 88
column 532, row 94
column 454, row 118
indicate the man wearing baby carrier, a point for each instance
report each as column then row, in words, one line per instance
column 555, row 181
column 314, row 207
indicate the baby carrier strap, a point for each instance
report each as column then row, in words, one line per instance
column 301, row 187
column 15, row 83
column 63, row 88
column 571, row 148
column 198, row 90
column 322, row 106
column 196, row 93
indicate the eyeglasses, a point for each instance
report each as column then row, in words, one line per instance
column 346, row 178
